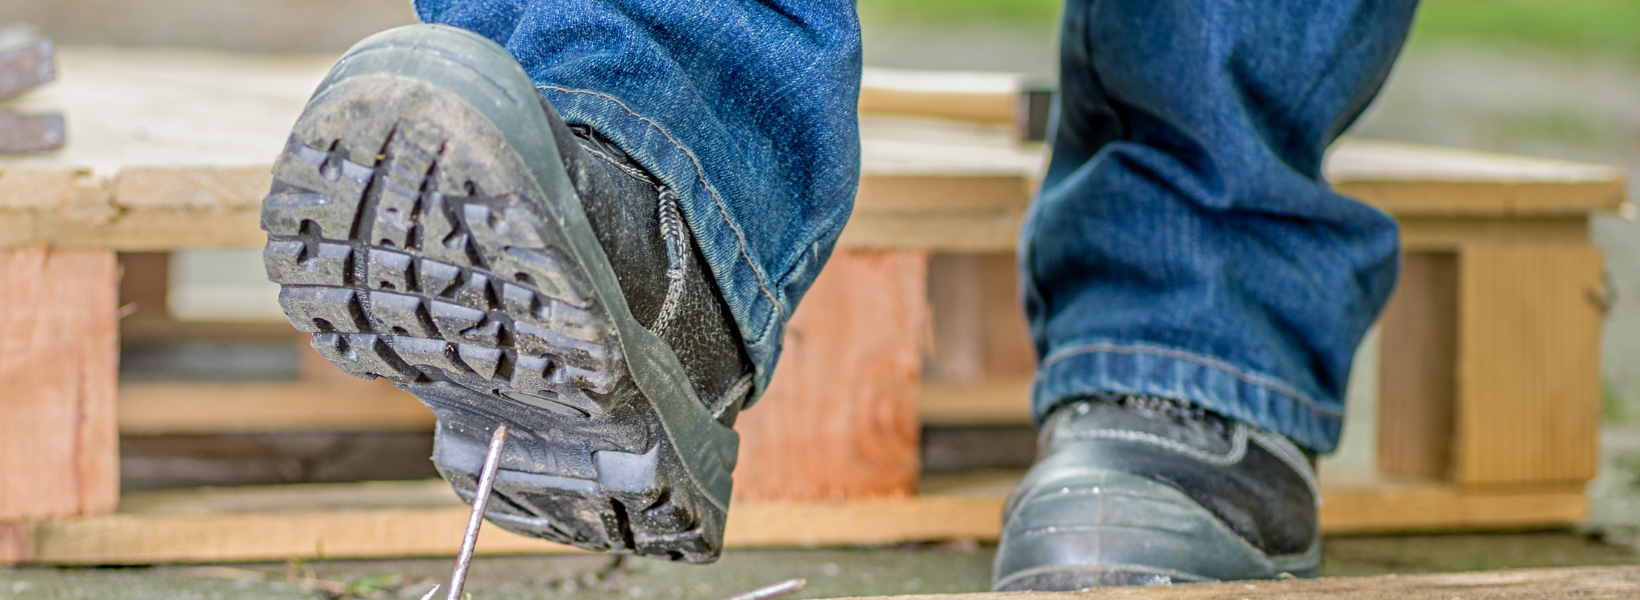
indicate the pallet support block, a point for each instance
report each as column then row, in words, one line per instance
column 1528, row 406
column 978, row 318
column 840, row 419
column 1417, row 369
column 58, row 364
column 16, row 542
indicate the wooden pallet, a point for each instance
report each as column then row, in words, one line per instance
column 1488, row 419
column 424, row 518
column 1604, row 583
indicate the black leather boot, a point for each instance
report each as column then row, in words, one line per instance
column 1137, row 490
column 433, row 221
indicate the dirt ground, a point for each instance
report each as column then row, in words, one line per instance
column 831, row 573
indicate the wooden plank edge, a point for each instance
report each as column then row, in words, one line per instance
column 989, row 230
column 1445, row 507
column 217, row 408
column 144, row 539
column 981, row 403
column 172, row 408
column 199, row 207
column 16, row 542
column 1570, row 582
column 1414, row 197
column 970, row 96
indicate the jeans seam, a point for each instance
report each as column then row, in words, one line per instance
column 1238, row 443
column 700, row 175
column 1265, row 382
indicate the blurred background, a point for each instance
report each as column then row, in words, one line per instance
column 1550, row 78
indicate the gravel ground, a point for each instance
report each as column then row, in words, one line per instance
column 831, row 573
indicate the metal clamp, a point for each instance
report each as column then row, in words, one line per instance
column 26, row 61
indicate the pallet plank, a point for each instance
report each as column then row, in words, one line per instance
column 1528, row 363
column 170, row 149
column 840, row 419
column 424, row 518
column 1418, row 369
column 173, row 408
column 226, row 408
column 1592, row 583
column 996, row 401
column 58, row 355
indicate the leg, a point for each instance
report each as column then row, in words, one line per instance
column 745, row 109
column 559, row 235
column 1185, row 247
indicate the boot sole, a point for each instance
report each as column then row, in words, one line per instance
column 422, row 228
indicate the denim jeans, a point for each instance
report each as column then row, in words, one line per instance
column 1183, row 243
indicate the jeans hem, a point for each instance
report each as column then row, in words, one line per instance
column 758, row 310
column 1214, row 384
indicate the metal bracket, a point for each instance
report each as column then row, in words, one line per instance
column 26, row 61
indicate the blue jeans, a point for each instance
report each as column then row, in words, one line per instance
column 1183, row 243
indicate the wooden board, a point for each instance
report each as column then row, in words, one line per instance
column 170, row 149
column 979, row 320
column 1591, row 583
column 373, row 519
column 16, row 542
column 956, row 314
column 424, row 518
column 1361, row 501
column 228, row 408
column 1417, row 385
column 958, row 95
column 146, row 318
column 58, row 359
column 1415, row 179
column 998, row 401
column 1528, row 363
column 174, row 408
column 840, row 419
column 1438, row 233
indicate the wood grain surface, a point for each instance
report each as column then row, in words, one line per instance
column 1529, row 364
column 1417, row 387
column 171, row 149
column 424, row 518
column 165, row 408
column 840, row 420
column 1591, row 583
column 58, row 359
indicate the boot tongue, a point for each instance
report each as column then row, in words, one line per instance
column 664, row 277
column 1174, row 420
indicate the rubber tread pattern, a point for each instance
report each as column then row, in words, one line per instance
column 420, row 267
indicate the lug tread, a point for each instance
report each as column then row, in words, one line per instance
column 394, row 253
column 416, row 245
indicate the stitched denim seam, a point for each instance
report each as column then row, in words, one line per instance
column 1213, row 363
column 1238, row 443
column 700, row 175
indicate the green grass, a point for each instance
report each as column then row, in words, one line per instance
column 1569, row 26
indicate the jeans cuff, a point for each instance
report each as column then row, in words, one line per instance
column 1214, row 384
column 756, row 302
